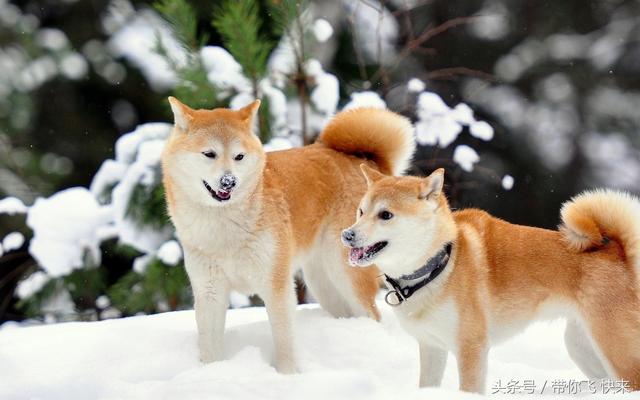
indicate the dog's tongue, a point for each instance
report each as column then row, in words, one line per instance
column 223, row 195
column 356, row 254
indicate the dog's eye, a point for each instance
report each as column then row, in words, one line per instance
column 209, row 154
column 385, row 215
column 239, row 157
column 360, row 212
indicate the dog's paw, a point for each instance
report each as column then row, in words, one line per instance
column 207, row 357
column 287, row 369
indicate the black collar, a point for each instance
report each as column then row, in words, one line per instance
column 405, row 286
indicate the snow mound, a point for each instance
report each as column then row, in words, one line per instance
column 65, row 228
column 322, row 30
column 365, row 99
column 12, row 205
column 465, row 157
column 153, row 357
column 12, row 241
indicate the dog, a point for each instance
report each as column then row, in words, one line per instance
column 463, row 281
column 247, row 220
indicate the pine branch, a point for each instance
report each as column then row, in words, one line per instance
column 182, row 18
column 147, row 206
column 282, row 13
column 239, row 23
column 286, row 15
column 193, row 86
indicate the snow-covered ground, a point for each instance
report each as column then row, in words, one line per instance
column 155, row 357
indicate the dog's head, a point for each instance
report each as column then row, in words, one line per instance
column 398, row 220
column 213, row 155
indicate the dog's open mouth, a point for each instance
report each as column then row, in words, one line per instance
column 220, row 195
column 361, row 255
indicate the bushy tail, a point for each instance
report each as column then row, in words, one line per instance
column 592, row 218
column 380, row 135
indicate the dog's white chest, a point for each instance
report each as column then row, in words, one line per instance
column 435, row 325
column 231, row 245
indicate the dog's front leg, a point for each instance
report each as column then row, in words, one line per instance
column 433, row 360
column 472, row 365
column 281, row 305
column 211, row 300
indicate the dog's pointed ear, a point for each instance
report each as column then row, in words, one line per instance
column 370, row 174
column 182, row 114
column 431, row 186
column 248, row 112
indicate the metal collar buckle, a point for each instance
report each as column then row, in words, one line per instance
column 399, row 298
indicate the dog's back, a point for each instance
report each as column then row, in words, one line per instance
column 316, row 189
column 587, row 271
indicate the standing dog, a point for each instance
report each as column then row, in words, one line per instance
column 464, row 281
column 246, row 218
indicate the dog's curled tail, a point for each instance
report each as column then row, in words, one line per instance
column 592, row 218
column 381, row 135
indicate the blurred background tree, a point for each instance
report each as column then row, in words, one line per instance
column 558, row 83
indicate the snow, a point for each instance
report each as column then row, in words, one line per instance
column 238, row 300
column 103, row 302
column 436, row 122
column 127, row 145
column 141, row 151
column 170, row 253
column 109, row 173
column 481, row 130
column 322, row 30
column 136, row 40
column 31, row 285
column 431, row 103
column 492, row 22
column 277, row 107
column 152, row 357
column 415, row 85
column 376, row 30
column 463, row 114
column 507, row 182
column 282, row 62
column 74, row 66
column 465, row 157
column 223, row 70
column 613, row 160
column 140, row 263
column 13, row 241
column 51, row 39
column 365, row 99
column 278, row 143
column 12, row 205
column 326, row 92
column 65, row 230
column 439, row 124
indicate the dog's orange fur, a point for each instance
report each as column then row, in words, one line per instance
column 502, row 275
column 288, row 207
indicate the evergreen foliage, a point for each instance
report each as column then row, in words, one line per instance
column 159, row 288
column 148, row 207
column 193, row 86
column 239, row 23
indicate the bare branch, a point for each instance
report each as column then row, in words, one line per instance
column 454, row 72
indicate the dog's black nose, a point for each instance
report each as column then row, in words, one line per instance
column 227, row 182
column 348, row 236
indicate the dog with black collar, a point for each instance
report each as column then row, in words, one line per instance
column 463, row 281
